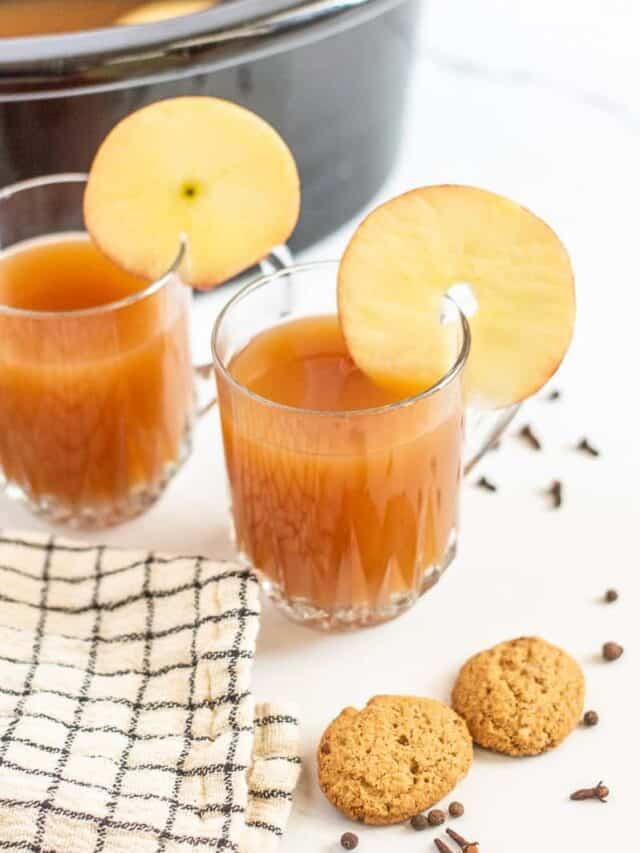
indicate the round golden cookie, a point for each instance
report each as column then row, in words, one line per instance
column 522, row 697
column 393, row 759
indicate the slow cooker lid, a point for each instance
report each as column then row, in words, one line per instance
column 227, row 34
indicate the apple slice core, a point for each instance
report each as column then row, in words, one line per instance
column 432, row 241
column 194, row 166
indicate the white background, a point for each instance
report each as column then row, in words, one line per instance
column 537, row 99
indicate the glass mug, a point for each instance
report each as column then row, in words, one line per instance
column 96, row 403
column 347, row 517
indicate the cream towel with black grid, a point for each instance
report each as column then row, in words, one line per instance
column 127, row 721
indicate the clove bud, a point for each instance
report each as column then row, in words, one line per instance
column 585, row 446
column 555, row 490
column 463, row 844
column 530, row 437
column 487, row 485
column 598, row 792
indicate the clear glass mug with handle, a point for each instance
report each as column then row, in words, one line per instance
column 97, row 402
column 347, row 517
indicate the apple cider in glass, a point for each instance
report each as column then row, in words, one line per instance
column 344, row 496
column 96, row 389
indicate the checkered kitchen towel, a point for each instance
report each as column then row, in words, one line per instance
column 126, row 717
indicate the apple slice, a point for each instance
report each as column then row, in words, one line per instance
column 406, row 256
column 162, row 10
column 199, row 167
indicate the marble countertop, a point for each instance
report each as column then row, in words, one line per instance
column 538, row 100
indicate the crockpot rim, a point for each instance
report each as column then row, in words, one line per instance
column 52, row 66
column 117, row 38
column 106, row 41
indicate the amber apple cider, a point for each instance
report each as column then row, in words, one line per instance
column 344, row 497
column 94, row 404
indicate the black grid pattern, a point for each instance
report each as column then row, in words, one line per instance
column 126, row 717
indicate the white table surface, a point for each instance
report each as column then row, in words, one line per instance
column 538, row 100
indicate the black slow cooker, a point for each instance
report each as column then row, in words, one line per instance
column 330, row 75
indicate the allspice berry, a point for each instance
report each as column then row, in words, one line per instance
column 349, row 841
column 456, row 809
column 612, row 651
column 436, row 817
column 590, row 718
column 611, row 595
column 419, row 822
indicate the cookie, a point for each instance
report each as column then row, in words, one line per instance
column 522, row 697
column 395, row 758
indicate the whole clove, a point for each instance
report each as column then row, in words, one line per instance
column 530, row 437
column 585, row 446
column 556, row 492
column 442, row 847
column 487, row 485
column 598, row 792
column 463, row 844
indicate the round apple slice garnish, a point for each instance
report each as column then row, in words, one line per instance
column 417, row 248
column 201, row 169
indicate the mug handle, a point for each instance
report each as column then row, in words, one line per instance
column 483, row 431
column 278, row 259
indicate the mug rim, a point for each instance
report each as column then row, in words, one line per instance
column 153, row 287
column 405, row 402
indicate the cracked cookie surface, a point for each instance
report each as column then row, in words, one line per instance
column 522, row 697
column 396, row 757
